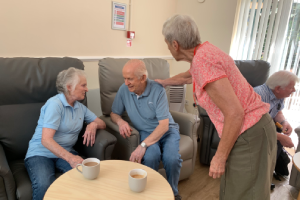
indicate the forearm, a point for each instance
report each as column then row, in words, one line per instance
column 158, row 132
column 180, row 79
column 231, row 131
column 56, row 149
column 116, row 118
column 279, row 117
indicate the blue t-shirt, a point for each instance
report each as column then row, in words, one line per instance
column 145, row 111
column 268, row 96
column 57, row 114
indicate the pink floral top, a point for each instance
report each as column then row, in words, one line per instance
column 210, row 64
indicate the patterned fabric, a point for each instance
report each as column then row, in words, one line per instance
column 211, row 64
column 268, row 96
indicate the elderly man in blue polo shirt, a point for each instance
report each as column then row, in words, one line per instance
column 147, row 106
column 279, row 86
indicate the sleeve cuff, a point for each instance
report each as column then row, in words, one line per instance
column 162, row 118
column 50, row 126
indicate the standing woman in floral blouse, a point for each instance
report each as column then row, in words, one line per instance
column 245, row 157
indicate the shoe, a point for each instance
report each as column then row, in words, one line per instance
column 177, row 197
column 272, row 186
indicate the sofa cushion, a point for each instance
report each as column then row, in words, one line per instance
column 111, row 77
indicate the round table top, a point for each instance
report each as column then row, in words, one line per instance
column 112, row 183
column 296, row 160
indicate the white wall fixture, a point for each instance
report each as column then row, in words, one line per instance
column 177, row 98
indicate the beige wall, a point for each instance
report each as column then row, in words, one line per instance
column 215, row 19
column 80, row 28
column 83, row 28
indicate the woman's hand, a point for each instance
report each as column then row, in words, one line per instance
column 90, row 134
column 217, row 167
column 160, row 82
column 74, row 160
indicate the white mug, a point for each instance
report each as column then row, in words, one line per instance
column 90, row 168
column 137, row 180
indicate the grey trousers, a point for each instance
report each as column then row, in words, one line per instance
column 251, row 162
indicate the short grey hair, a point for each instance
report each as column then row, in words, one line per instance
column 141, row 69
column 68, row 77
column 183, row 29
column 281, row 78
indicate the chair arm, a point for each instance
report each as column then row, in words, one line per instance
column 103, row 146
column 124, row 147
column 7, row 176
column 187, row 123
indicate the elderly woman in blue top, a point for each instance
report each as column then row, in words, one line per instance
column 61, row 120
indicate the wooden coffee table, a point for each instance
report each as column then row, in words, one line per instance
column 296, row 162
column 112, row 183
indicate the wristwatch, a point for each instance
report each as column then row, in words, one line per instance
column 143, row 144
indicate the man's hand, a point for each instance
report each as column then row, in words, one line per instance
column 287, row 129
column 90, row 134
column 138, row 154
column 217, row 167
column 124, row 129
column 160, row 82
column 285, row 140
column 74, row 160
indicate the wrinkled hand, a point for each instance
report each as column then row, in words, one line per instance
column 138, row 154
column 162, row 82
column 286, row 141
column 90, row 134
column 286, row 129
column 217, row 167
column 124, row 129
column 74, row 160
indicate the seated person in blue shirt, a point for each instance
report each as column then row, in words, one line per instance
column 60, row 122
column 279, row 85
column 147, row 106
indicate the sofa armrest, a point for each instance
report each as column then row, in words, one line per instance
column 7, row 176
column 187, row 124
column 124, row 147
column 103, row 146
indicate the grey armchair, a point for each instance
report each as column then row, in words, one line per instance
column 25, row 85
column 295, row 174
column 110, row 77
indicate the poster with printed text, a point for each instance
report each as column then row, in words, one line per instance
column 118, row 16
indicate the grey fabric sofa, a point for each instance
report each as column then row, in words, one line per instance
column 110, row 77
column 25, row 85
column 256, row 72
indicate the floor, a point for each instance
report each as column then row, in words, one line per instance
column 201, row 186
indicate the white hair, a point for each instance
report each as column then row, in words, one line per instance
column 68, row 77
column 281, row 78
column 140, row 70
column 183, row 29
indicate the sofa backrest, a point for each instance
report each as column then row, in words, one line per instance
column 111, row 78
column 25, row 85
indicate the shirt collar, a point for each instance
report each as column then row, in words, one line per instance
column 63, row 99
column 147, row 89
column 272, row 95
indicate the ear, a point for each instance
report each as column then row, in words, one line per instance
column 69, row 88
column 277, row 89
column 143, row 78
column 175, row 45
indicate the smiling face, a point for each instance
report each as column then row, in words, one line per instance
column 78, row 93
column 134, row 83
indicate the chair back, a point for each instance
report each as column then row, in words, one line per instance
column 26, row 84
column 111, row 78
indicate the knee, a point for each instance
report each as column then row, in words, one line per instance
column 151, row 158
column 172, row 160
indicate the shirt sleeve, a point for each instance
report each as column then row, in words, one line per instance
column 162, row 107
column 52, row 115
column 118, row 105
column 89, row 116
column 207, row 70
